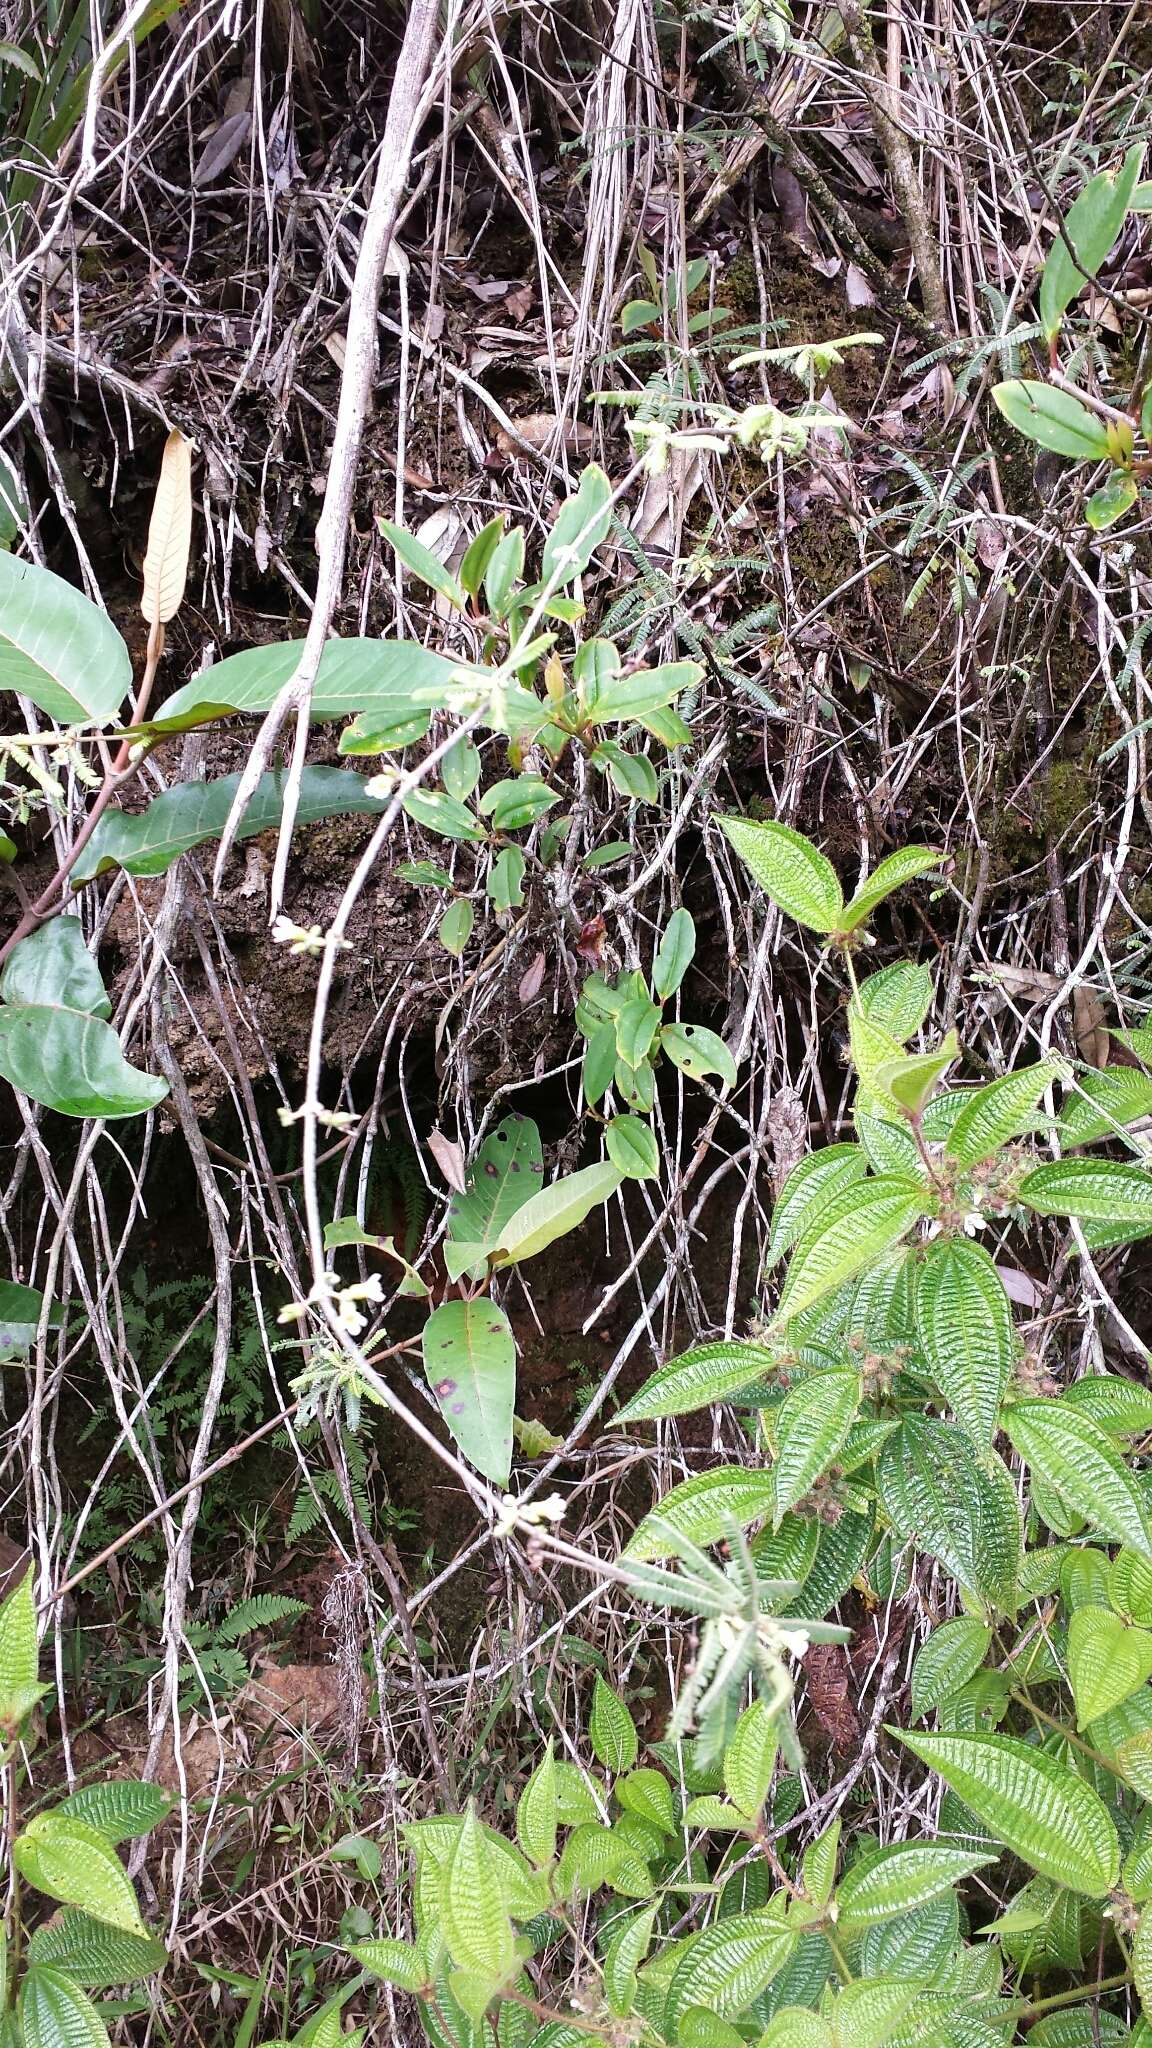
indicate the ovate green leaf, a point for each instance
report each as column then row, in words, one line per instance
column 698, row 1378
column 58, row 648
column 1097, row 1190
column 1054, row 419
column 611, row 1729
column 855, row 1226
column 1108, row 1660
column 1039, row 1808
column 476, row 1922
column 470, row 1362
column 703, row 1507
column 789, row 869
column 74, row 1863
column 810, row 1428
column 884, row 1882
column 1069, row 1452
column 55, row 2013
column 904, row 866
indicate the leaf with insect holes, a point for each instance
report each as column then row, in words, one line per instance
column 946, row 1661
column 750, row 1760
column 1044, row 1813
column 698, row 1378
column 476, row 1923
column 1108, row 1660
column 702, row 1508
column 611, row 1729
column 810, row 1429
column 19, row 1656
column 849, row 1232
column 1071, row 1453
column 1054, row 419
column 808, row 1189
column 58, row 648
column 508, row 1166
column 94, row 1956
column 73, row 1862
column 55, row 2013
column 537, row 1812
column 698, row 1052
column 553, row 1212
column 995, row 1114
column 964, row 1322
column 426, row 566
column 1091, row 226
column 883, row 1882
column 579, row 528
column 632, row 1148
column 169, row 534
column 1093, row 1190
column 394, row 1962
column 147, row 842
column 470, row 1362
column 674, row 954
column 795, row 874
column 729, row 1964
column 906, row 865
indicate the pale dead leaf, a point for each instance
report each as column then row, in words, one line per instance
column 543, row 431
column 450, row 1159
column 169, row 534
column 1088, row 1027
column 222, row 148
column 857, row 289
column 531, row 981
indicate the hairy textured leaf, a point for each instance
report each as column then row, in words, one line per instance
column 964, row 1320
column 789, row 869
column 537, row 1811
column 625, row 1952
column 1105, row 1191
column 1043, row 1811
column 93, row 1955
column 19, row 1655
column 750, row 1760
column 998, row 1112
column 55, row 2013
column 611, row 1729
column 118, row 1808
column 729, row 1964
column 949, row 1658
column 507, row 1168
column 553, row 1212
column 470, row 1362
column 1112, row 1097
column 147, row 842
column 707, row 1373
column 900, row 867
column 883, row 1882
column 808, row 1189
column 58, row 648
column 74, row 1863
column 1069, row 1452
column 1108, row 1660
column 1121, row 1407
column 476, row 1922
column 897, row 998
column 963, row 1509
column 703, row 1507
column 810, row 1428
column 1142, row 1962
column 648, row 1795
column 396, row 1962
column 853, row 1228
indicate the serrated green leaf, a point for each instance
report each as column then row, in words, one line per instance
column 750, row 1760
column 595, row 1856
column 1130, row 1588
column 476, row 1923
column 1105, row 1101
column 709, row 1811
column 1121, row 1407
column 470, row 1364
column 808, row 1189
column 897, row 998
column 998, row 1112
column 789, row 869
column 611, row 1729
column 55, row 2013
column 818, row 1865
column 729, row 1964
column 625, row 1952
column 865, row 2014
column 963, row 1509
column 854, row 1227
column 1052, row 418
column 19, row 1655
column 1040, row 1809
column 72, row 1862
column 648, row 1794
column 703, row 1508
column 1069, row 1452
column 883, row 1882
column 810, row 1428
column 119, row 1808
column 964, row 1321
column 395, row 1962
column 1108, row 1660
column 698, row 1378
column 1142, row 1962
column 93, row 1955
column 1097, row 1190
column 537, row 1812
column 904, row 866
column 913, row 1945
column 949, row 1658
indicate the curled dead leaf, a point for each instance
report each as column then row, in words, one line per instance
column 543, row 432
column 450, row 1159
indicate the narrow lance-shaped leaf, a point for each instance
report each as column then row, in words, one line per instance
column 810, row 1429
column 423, row 563
column 1091, row 226
column 147, row 842
column 702, row 1507
column 858, row 1223
column 698, row 1378
column 1070, row 1452
column 901, row 867
column 553, row 1212
column 611, row 1729
column 1040, row 1808
column 169, row 534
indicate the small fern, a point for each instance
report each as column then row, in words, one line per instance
column 263, row 1611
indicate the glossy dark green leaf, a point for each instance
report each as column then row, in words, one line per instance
column 1052, row 418
column 59, row 648
column 147, row 842
column 72, row 1062
column 53, row 965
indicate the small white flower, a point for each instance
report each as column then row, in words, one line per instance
column 305, row 938
column 528, row 1514
column 382, row 786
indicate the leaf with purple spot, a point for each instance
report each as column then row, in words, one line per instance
column 470, row 1361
